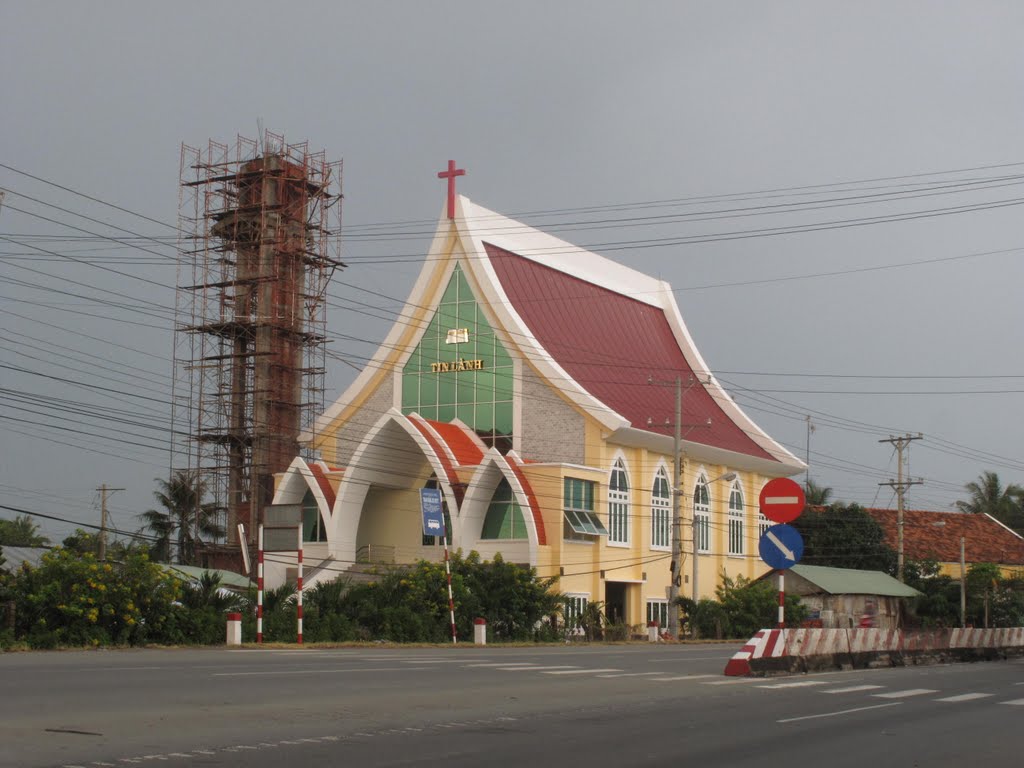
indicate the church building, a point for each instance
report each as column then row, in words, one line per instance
column 534, row 383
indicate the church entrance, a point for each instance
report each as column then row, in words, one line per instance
column 615, row 602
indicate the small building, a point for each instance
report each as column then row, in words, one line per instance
column 843, row 598
column 229, row 580
column 936, row 536
column 15, row 557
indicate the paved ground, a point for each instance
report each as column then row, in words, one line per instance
column 591, row 705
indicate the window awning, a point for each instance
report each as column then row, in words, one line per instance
column 585, row 522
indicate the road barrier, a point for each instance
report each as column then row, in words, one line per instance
column 810, row 650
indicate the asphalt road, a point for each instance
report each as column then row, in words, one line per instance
column 573, row 705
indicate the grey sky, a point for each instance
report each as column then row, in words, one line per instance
column 549, row 107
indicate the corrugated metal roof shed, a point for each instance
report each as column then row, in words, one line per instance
column 847, row 581
column 15, row 556
column 228, row 579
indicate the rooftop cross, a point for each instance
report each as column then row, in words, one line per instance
column 450, row 174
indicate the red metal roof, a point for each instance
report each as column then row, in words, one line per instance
column 538, row 518
column 323, row 482
column 610, row 344
column 424, row 429
column 466, row 450
column 936, row 536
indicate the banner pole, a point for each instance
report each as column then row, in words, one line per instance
column 259, row 584
column 448, row 571
column 299, row 579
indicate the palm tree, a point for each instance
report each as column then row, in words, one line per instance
column 185, row 518
column 988, row 496
column 817, row 495
column 21, row 532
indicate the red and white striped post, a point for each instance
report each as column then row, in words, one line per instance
column 259, row 584
column 448, row 571
column 299, row 577
column 782, row 599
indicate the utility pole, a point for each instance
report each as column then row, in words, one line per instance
column 677, row 494
column 901, row 486
column 103, row 491
column 807, row 474
column 963, row 583
column 677, row 489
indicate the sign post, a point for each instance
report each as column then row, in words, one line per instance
column 781, row 546
column 432, row 510
column 281, row 531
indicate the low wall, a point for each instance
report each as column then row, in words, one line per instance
column 814, row 650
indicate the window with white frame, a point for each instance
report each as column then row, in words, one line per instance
column 573, row 606
column 763, row 524
column 735, row 519
column 618, row 505
column 661, row 511
column 702, row 515
column 657, row 610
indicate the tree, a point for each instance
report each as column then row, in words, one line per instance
column 845, row 536
column 742, row 608
column 21, row 532
column 184, row 520
column 817, row 495
column 989, row 496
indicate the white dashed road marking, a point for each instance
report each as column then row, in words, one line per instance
column 904, row 694
column 1015, row 702
column 533, row 668
column 798, row 684
column 670, row 679
column 580, row 671
column 840, row 712
column 967, row 697
column 853, row 689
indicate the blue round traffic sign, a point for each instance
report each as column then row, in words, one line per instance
column 781, row 546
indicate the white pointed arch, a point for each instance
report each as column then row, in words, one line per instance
column 299, row 479
column 492, row 470
column 391, row 456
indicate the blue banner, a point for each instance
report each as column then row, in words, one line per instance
column 433, row 514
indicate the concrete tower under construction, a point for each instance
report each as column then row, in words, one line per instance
column 260, row 237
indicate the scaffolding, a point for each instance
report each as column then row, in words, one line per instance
column 259, row 240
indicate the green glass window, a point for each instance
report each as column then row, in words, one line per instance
column 504, row 518
column 312, row 523
column 579, row 521
column 460, row 370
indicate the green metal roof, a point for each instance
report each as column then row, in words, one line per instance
column 228, row 579
column 847, row 581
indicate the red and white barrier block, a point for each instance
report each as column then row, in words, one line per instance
column 851, row 646
column 766, row 644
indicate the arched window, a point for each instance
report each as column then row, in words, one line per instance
column 618, row 505
column 735, row 519
column 702, row 515
column 312, row 523
column 504, row 519
column 661, row 511
column 763, row 524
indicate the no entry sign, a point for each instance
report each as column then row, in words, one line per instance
column 782, row 500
